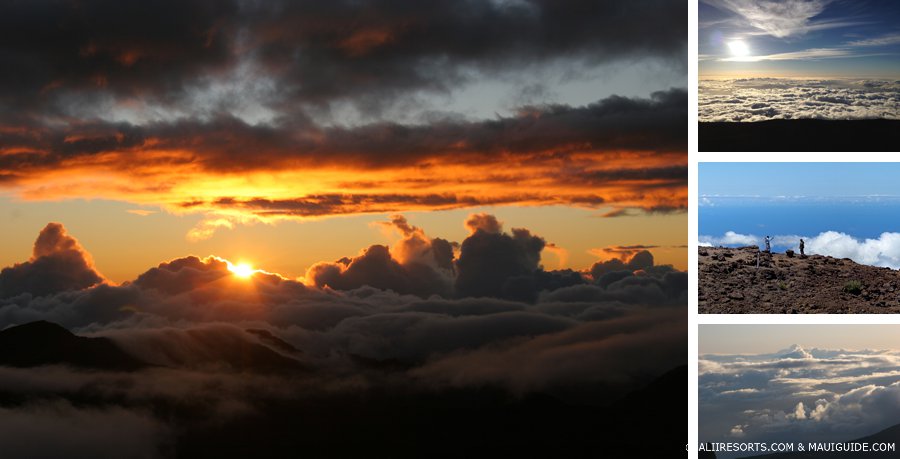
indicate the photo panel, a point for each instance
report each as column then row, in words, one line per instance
column 800, row 390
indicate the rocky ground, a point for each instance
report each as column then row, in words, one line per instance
column 731, row 283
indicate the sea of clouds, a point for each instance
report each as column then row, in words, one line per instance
column 798, row 395
column 424, row 315
column 760, row 99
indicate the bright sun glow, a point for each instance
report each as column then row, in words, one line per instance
column 738, row 48
column 241, row 270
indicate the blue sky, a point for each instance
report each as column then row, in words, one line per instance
column 790, row 38
column 798, row 179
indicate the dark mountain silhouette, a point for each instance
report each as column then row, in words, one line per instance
column 239, row 354
column 267, row 337
column 890, row 435
column 800, row 135
column 45, row 343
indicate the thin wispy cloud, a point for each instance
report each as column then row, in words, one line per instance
column 778, row 18
column 806, row 54
column 884, row 40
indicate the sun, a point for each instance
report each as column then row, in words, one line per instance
column 242, row 270
column 738, row 48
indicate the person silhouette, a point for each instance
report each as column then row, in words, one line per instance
column 801, row 248
column 768, row 246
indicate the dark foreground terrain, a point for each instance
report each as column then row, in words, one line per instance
column 800, row 135
column 256, row 402
column 731, row 283
column 891, row 435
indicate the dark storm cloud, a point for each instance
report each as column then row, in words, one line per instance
column 317, row 52
column 343, row 49
column 128, row 48
column 336, row 204
column 544, row 134
column 58, row 263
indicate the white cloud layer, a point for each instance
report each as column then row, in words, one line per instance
column 883, row 251
column 760, row 99
column 798, row 395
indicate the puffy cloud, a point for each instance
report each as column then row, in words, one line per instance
column 182, row 274
column 633, row 259
column 759, row 99
column 375, row 267
column 484, row 222
column 731, row 238
column 496, row 264
column 883, row 251
column 489, row 263
column 416, row 265
column 58, row 263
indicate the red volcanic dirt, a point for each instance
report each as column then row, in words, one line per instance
column 731, row 283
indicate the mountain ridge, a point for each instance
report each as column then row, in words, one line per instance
column 745, row 280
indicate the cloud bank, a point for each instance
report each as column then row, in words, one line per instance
column 798, row 395
column 421, row 317
column 883, row 251
column 760, row 99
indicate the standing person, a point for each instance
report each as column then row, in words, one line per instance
column 801, row 247
column 768, row 246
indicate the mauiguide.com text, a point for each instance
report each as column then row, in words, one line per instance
column 798, row 447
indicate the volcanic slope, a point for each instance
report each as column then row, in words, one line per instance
column 730, row 282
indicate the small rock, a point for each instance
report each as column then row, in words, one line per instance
column 736, row 296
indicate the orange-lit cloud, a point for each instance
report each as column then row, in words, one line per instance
column 617, row 153
column 621, row 252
